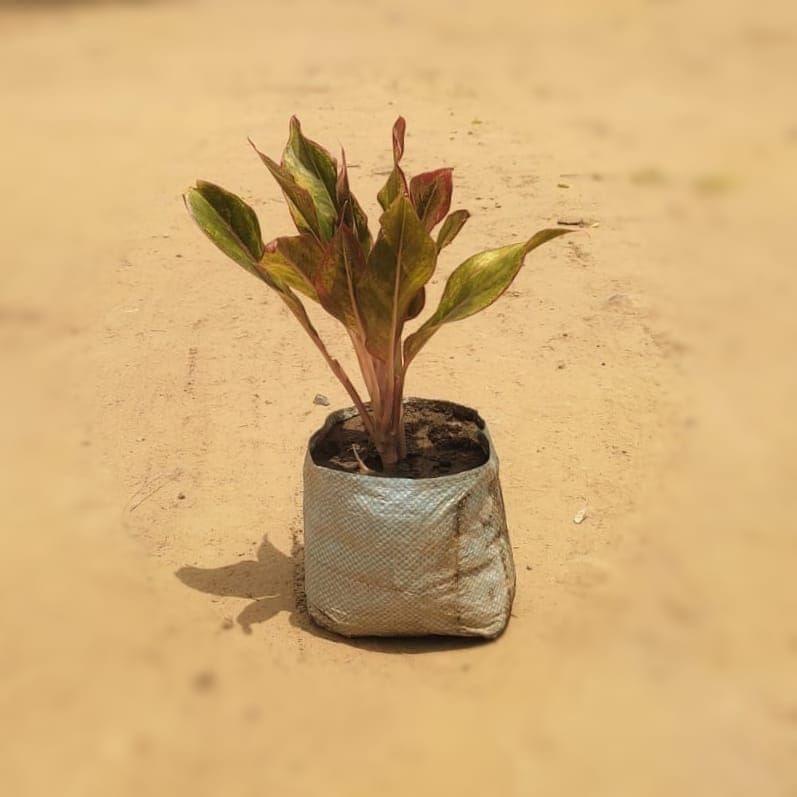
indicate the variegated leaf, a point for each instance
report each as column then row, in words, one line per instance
column 300, row 203
column 228, row 221
column 349, row 209
column 430, row 192
column 476, row 284
column 342, row 266
column 294, row 260
column 396, row 184
column 451, row 227
column 314, row 170
column 400, row 264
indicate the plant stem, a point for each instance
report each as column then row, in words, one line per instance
column 337, row 369
column 297, row 308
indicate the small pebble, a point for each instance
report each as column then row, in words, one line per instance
column 580, row 516
column 180, row 496
column 321, row 400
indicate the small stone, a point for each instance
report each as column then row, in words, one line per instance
column 321, row 400
column 620, row 301
column 180, row 496
column 580, row 516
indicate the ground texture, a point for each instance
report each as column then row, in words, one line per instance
column 152, row 639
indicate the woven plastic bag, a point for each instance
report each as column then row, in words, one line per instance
column 406, row 557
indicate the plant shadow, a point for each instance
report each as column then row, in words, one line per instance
column 273, row 582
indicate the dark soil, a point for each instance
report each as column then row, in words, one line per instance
column 442, row 439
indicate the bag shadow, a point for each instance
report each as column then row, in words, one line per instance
column 273, row 582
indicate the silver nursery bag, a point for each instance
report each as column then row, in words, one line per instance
column 403, row 557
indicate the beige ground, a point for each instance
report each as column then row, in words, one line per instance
column 645, row 369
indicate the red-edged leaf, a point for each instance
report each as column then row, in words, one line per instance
column 400, row 264
column 228, row 221
column 341, row 267
column 396, row 183
column 295, row 261
column 300, row 203
column 314, row 170
column 431, row 194
column 399, row 131
column 350, row 211
column 232, row 225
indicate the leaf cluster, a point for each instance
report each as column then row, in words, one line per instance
column 373, row 286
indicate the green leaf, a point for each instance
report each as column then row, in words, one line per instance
column 295, row 261
column 430, row 192
column 396, row 184
column 476, row 284
column 314, row 170
column 451, row 227
column 400, row 264
column 228, row 221
column 300, row 203
column 350, row 211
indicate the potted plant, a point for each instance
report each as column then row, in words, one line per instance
column 405, row 531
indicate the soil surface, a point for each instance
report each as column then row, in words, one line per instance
column 442, row 439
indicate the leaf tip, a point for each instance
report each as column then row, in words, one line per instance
column 399, row 131
column 189, row 193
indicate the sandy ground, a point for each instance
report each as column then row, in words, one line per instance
column 152, row 644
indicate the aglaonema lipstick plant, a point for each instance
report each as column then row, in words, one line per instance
column 372, row 286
